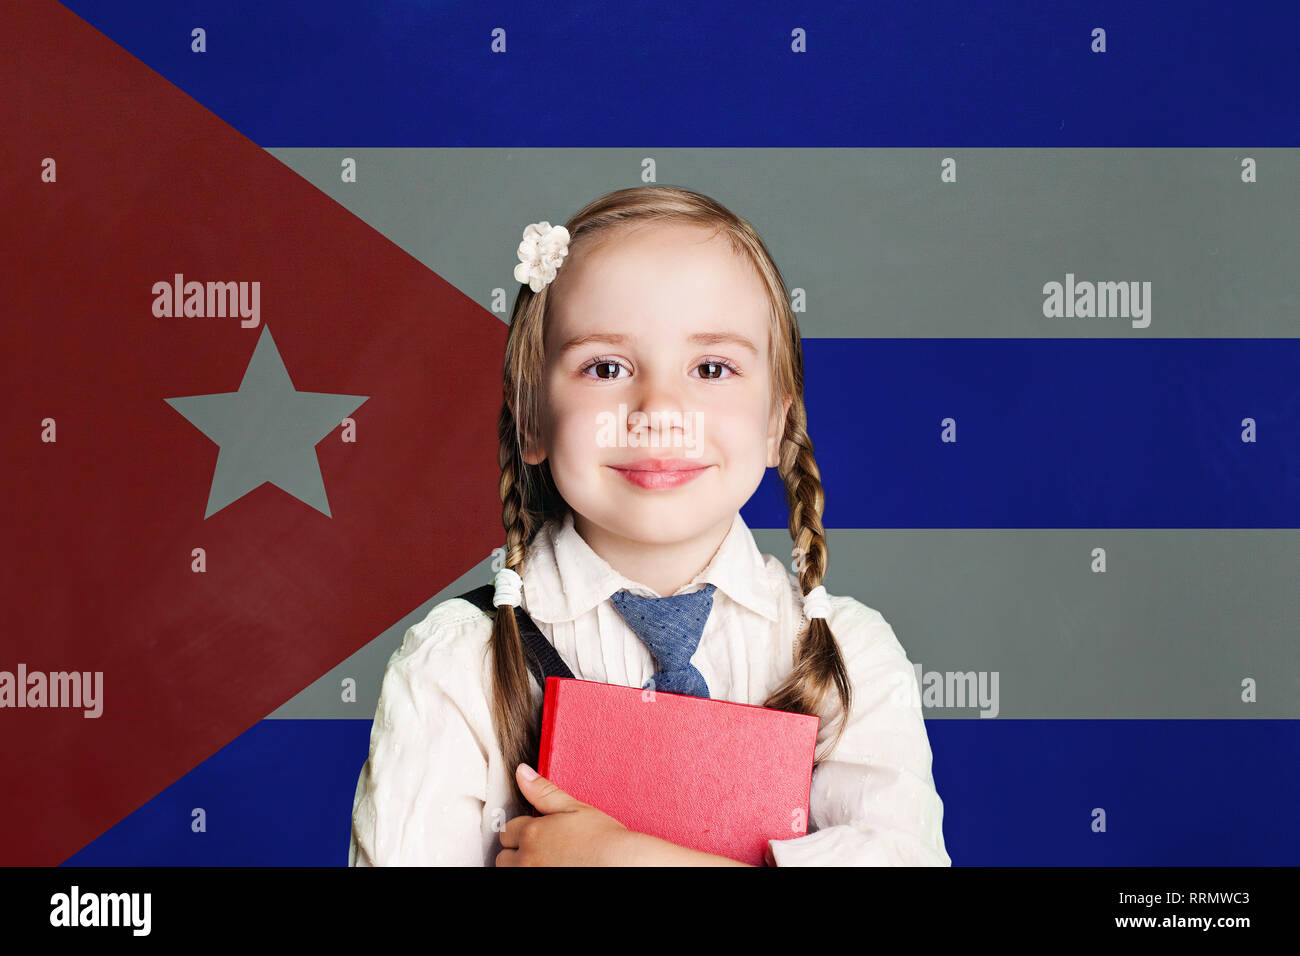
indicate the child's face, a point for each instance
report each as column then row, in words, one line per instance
column 657, row 286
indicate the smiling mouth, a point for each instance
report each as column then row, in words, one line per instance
column 654, row 478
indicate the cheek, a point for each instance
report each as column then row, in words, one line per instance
column 741, row 419
column 575, row 431
column 739, row 433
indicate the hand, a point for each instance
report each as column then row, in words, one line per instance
column 570, row 832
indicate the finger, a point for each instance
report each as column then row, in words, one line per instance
column 546, row 796
column 506, row 858
column 513, row 832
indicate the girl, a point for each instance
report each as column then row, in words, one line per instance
column 653, row 371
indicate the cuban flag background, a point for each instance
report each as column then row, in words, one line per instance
column 1082, row 522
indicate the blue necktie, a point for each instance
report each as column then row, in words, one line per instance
column 670, row 628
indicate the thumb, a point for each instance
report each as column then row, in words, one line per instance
column 546, row 796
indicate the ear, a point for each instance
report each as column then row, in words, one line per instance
column 775, row 432
column 533, row 457
column 532, row 454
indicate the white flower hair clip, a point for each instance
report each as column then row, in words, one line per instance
column 541, row 253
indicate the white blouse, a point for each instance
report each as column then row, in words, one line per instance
column 435, row 789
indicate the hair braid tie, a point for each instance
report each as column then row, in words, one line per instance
column 816, row 603
column 509, row 588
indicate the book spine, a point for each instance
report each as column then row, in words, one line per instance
column 550, row 700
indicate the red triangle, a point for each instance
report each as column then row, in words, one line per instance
column 100, row 525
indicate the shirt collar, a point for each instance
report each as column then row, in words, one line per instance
column 564, row 579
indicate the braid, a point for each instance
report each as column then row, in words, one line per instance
column 805, row 497
column 818, row 662
column 516, row 724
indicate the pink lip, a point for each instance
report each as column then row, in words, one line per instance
column 660, row 472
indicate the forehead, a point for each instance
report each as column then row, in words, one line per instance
column 657, row 280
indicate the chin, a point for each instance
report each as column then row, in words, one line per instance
column 663, row 521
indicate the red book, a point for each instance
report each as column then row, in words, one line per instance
column 712, row 775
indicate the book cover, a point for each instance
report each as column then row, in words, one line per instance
column 712, row 775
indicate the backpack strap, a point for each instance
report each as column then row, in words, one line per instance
column 540, row 654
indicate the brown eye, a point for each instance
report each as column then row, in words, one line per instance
column 607, row 369
column 718, row 368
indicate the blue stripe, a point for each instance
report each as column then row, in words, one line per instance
column 278, row 794
column 945, row 73
column 1051, row 433
column 1015, row 792
column 1174, row 792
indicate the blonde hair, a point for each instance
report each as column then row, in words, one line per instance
column 529, row 497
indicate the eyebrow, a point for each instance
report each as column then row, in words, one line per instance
column 699, row 338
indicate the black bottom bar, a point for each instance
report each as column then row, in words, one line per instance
column 215, row 905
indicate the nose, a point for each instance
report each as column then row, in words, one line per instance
column 659, row 405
